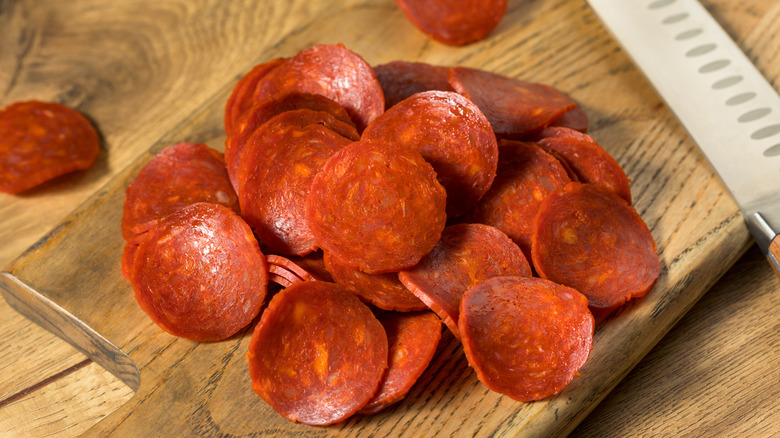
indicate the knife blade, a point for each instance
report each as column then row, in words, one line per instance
column 726, row 106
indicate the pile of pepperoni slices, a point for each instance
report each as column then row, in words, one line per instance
column 386, row 201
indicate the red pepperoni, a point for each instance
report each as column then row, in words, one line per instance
column 314, row 265
column 525, row 337
column 576, row 119
column 588, row 160
column 243, row 93
column 526, row 175
column 412, row 339
column 179, row 175
column 277, row 170
column 588, row 238
column 333, row 71
column 381, row 290
column 128, row 258
column 376, row 207
column 40, row 141
column 454, row 23
column 452, row 135
column 466, row 254
column 289, row 266
column 401, row 79
column 199, row 273
column 318, row 354
column 515, row 108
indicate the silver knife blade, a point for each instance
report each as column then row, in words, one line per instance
column 724, row 103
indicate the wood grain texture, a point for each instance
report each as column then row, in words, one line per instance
column 150, row 74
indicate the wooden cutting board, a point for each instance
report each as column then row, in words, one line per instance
column 70, row 281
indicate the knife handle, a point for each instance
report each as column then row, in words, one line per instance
column 773, row 254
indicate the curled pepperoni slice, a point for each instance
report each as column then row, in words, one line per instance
column 199, row 273
column 588, row 238
column 452, row 135
column 376, row 207
column 412, row 338
column 455, row 23
column 401, row 79
column 525, row 337
column 381, row 290
column 318, row 354
column 526, row 175
column 466, row 254
column 242, row 97
column 515, row 108
column 40, row 141
column 179, row 175
column 333, row 71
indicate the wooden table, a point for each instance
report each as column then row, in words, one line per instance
column 715, row 373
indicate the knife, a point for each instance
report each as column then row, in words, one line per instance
column 724, row 103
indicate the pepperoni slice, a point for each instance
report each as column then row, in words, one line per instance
column 515, row 108
column 376, row 207
column 333, row 71
column 313, row 264
column 179, row 175
column 525, row 337
column 452, row 134
column 401, row 79
column 199, row 273
column 381, row 290
column 588, row 238
column 588, row 160
column 526, row 175
column 412, row 339
column 466, row 254
column 43, row 140
column 128, row 258
column 279, row 166
column 318, row 354
column 242, row 97
column 455, row 23
column 576, row 119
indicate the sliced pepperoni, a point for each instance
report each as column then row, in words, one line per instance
column 401, row 79
column 289, row 266
column 376, row 207
column 199, row 273
column 314, row 265
column 588, row 238
column 318, row 354
column 455, row 23
column 515, row 108
column 412, row 338
column 466, row 254
column 526, row 175
column 381, row 290
column 179, row 175
column 452, row 135
column 576, row 119
column 525, row 337
column 588, row 161
column 333, row 71
column 41, row 141
column 242, row 95
column 277, row 170
column 128, row 258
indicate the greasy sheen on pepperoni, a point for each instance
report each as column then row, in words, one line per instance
column 333, row 71
column 382, row 290
column 377, row 207
column 525, row 337
column 515, row 108
column 43, row 140
column 526, row 175
column 279, row 167
column 589, row 161
column 401, row 79
column 179, row 175
column 588, row 238
column 242, row 96
column 412, row 338
column 199, row 273
column 455, row 23
column 466, row 255
column 318, row 354
column 452, row 135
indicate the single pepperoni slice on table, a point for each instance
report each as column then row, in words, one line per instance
column 318, row 354
column 455, row 23
column 525, row 337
